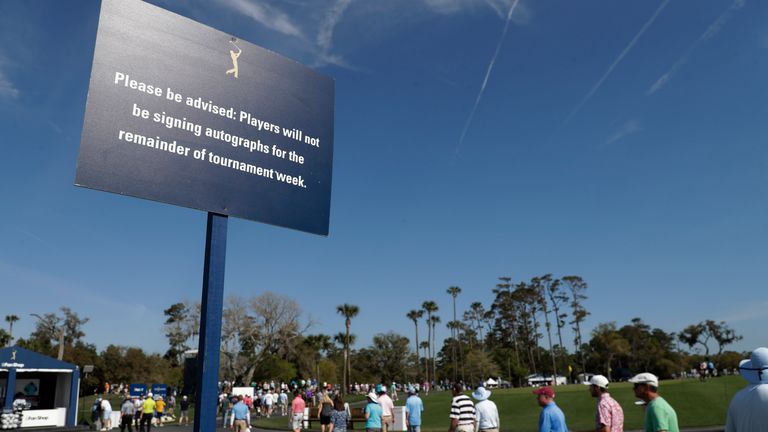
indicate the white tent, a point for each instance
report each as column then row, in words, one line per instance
column 491, row 383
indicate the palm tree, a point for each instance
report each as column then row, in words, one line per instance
column 415, row 316
column 454, row 291
column 318, row 344
column 456, row 327
column 429, row 307
column 10, row 319
column 348, row 311
column 434, row 321
column 424, row 345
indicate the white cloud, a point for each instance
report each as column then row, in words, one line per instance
column 628, row 128
column 8, row 89
column 266, row 15
column 747, row 312
column 325, row 34
column 708, row 34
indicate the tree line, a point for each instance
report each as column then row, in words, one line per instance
column 530, row 327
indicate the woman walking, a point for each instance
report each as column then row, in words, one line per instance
column 339, row 417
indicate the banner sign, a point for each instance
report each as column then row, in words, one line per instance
column 138, row 390
column 181, row 113
column 159, row 390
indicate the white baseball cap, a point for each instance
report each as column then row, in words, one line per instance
column 645, row 378
column 598, row 380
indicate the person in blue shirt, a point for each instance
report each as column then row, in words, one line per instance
column 373, row 414
column 551, row 418
column 413, row 408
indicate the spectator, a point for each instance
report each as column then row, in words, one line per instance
column 413, row 408
column 106, row 414
column 339, row 417
column 160, row 410
column 372, row 414
column 127, row 411
column 242, row 415
column 462, row 411
column 659, row 415
column 551, row 418
column 748, row 411
column 147, row 413
column 387, row 408
column 487, row 413
column 609, row 416
column 297, row 411
column 184, row 415
column 324, row 412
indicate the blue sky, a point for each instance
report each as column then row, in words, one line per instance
column 621, row 141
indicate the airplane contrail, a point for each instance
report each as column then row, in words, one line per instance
column 618, row 60
column 487, row 75
column 709, row 33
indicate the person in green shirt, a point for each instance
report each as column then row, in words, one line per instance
column 659, row 415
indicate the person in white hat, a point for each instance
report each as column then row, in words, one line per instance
column 387, row 409
column 659, row 415
column 748, row 410
column 609, row 416
column 372, row 413
column 486, row 413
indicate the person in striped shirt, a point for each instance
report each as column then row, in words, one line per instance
column 462, row 411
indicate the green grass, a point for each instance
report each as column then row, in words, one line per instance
column 696, row 403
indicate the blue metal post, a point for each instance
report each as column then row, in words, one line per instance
column 210, row 324
column 10, row 388
column 74, row 392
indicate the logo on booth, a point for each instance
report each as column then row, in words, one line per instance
column 13, row 355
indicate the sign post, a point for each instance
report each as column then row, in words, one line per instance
column 211, row 308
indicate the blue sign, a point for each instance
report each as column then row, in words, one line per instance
column 138, row 390
column 159, row 390
column 184, row 114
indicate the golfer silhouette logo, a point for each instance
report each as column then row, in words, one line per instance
column 235, row 56
column 13, row 355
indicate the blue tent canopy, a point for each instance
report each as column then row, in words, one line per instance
column 15, row 360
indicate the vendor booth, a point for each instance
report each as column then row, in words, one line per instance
column 50, row 387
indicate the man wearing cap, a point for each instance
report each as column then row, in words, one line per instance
column 610, row 416
column 127, row 412
column 659, row 415
column 551, row 418
column 487, row 415
column 413, row 408
column 387, row 408
column 147, row 413
column 184, row 415
column 462, row 411
column 747, row 411
column 372, row 414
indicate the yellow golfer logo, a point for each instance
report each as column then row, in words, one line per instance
column 13, row 355
column 234, row 55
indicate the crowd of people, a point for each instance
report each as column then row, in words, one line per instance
column 141, row 412
column 747, row 411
